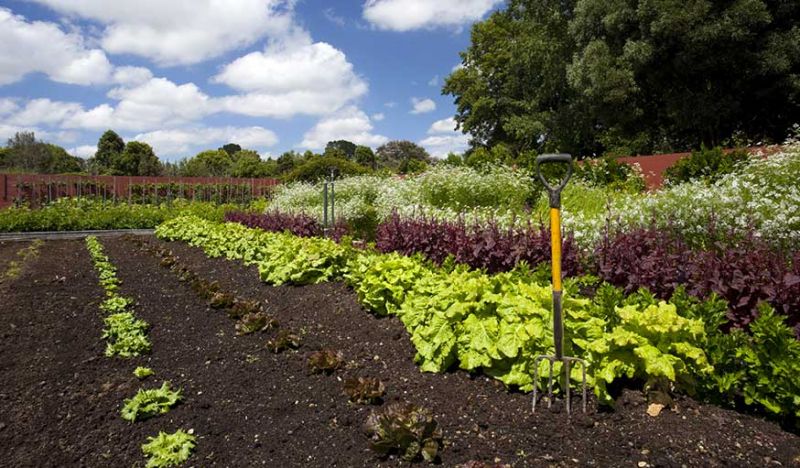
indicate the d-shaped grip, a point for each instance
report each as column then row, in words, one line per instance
column 554, row 190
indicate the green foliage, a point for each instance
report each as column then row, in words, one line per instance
column 210, row 163
column 150, row 402
column 115, row 304
column 109, row 148
column 651, row 343
column 365, row 156
column 397, row 155
column 142, row 372
column 27, row 154
column 607, row 172
column 591, row 76
column 498, row 324
column 706, row 164
column 125, row 335
column 294, row 260
column 249, row 164
column 346, row 148
column 67, row 214
column 382, row 281
column 760, row 368
column 319, row 168
column 167, row 450
column 404, row 428
column 137, row 159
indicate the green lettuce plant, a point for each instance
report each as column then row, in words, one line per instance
column 165, row 450
column 150, row 402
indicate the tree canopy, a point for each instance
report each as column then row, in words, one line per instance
column 109, row 147
column 26, row 153
column 629, row 76
column 398, row 154
column 137, row 159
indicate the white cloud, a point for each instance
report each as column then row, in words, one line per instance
column 7, row 106
column 421, row 106
column 83, row 151
column 350, row 124
column 188, row 141
column 434, row 81
column 29, row 47
column 406, row 15
column 180, row 31
column 331, row 16
column 43, row 111
column 132, row 76
column 447, row 125
column 155, row 104
column 444, row 139
column 299, row 77
column 378, row 117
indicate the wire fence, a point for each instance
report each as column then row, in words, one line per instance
column 35, row 190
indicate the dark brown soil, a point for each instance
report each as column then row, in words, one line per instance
column 60, row 400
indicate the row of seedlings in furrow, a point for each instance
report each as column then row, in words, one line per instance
column 400, row 427
column 126, row 337
column 23, row 255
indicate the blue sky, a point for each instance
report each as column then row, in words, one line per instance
column 271, row 75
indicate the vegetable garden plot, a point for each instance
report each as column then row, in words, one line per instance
column 474, row 411
column 235, row 389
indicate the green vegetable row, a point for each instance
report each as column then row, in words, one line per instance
column 125, row 334
column 73, row 214
column 497, row 324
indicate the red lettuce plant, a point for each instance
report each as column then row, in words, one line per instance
column 743, row 273
column 487, row 246
column 301, row 225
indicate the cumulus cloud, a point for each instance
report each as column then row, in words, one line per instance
column 131, row 76
column 421, row 106
column 444, row 138
column 7, row 106
column 188, row 141
column 43, row 111
column 434, row 81
column 180, row 32
column 83, row 151
column 289, row 78
column 378, row 117
column 350, row 124
column 407, row 15
column 29, row 47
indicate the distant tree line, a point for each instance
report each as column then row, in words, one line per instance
column 24, row 153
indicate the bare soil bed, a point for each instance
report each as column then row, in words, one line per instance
column 60, row 398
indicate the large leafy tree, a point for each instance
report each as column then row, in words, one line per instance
column 248, row 163
column 398, row 154
column 109, row 147
column 210, row 163
column 588, row 76
column 347, row 148
column 137, row 159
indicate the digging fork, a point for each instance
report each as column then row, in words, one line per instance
column 554, row 192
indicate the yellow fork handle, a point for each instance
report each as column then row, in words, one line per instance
column 555, row 246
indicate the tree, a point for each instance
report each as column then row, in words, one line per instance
column 137, row 159
column 59, row 161
column 231, row 149
column 320, row 168
column 210, row 163
column 27, row 153
column 396, row 154
column 365, row 156
column 453, row 159
column 287, row 161
column 348, row 148
column 634, row 76
column 109, row 147
column 249, row 164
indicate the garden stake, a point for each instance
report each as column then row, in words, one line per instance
column 558, row 321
